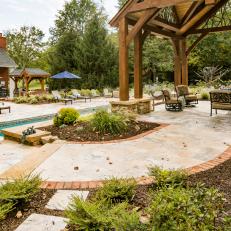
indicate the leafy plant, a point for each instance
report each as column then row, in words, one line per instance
column 5, row 208
column 84, row 215
column 66, row 116
column 116, row 191
column 205, row 95
column 104, row 122
column 18, row 192
column 185, row 208
column 168, row 177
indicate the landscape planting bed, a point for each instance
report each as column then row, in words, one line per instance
column 82, row 132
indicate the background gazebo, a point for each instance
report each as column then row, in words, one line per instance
column 171, row 19
column 28, row 75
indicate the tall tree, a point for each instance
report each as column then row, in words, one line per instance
column 97, row 55
column 25, row 45
column 73, row 18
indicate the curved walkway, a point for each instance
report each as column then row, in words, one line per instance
column 192, row 138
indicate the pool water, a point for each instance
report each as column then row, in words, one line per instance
column 23, row 122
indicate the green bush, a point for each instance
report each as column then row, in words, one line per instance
column 185, row 209
column 21, row 99
column 5, row 208
column 66, row 116
column 205, row 96
column 116, row 191
column 168, row 177
column 33, row 100
column 84, row 215
column 85, row 92
column 18, row 192
column 104, row 122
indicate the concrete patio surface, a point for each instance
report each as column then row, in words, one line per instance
column 192, row 137
column 23, row 111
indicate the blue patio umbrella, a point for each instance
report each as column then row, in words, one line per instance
column 65, row 75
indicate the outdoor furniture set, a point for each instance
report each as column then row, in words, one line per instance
column 183, row 98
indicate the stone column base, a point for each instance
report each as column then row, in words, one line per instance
column 138, row 106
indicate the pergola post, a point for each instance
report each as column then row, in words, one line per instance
column 42, row 83
column 123, row 60
column 138, row 85
column 180, row 62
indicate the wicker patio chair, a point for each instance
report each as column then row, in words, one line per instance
column 183, row 90
column 171, row 104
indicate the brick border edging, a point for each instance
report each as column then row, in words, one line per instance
column 226, row 155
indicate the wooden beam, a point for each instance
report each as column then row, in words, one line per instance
column 123, row 60
column 184, row 62
column 145, row 34
column 202, row 36
column 122, row 13
column 167, row 25
column 140, row 23
column 194, row 19
column 191, row 11
column 149, row 4
column 211, row 30
column 210, row 2
column 138, row 86
column 152, row 28
column 206, row 16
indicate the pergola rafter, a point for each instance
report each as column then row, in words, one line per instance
column 172, row 19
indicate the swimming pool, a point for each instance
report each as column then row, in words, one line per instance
column 31, row 121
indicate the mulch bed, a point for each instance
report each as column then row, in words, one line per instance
column 218, row 177
column 83, row 132
column 36, row 205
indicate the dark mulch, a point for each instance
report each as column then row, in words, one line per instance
column 83, row 132
column 218, row 177
column 36, row 205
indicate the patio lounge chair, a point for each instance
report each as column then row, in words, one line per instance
column 77, row 95
column 95, row 94
column 4, row 108
column 107, row 93
column 183, row 90
column 171, row 104
column 59, row 98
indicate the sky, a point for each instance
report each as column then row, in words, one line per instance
column 39, row 13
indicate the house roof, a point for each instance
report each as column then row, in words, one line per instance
column 5, row 60
column 33, row 72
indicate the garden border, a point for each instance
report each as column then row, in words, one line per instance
column 141, row 135
column 85, row 185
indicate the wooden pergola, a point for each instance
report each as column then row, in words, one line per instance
column 28, row 75
column 171, row 19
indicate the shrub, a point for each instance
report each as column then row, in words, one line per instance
column 21, row 99
column 66, row 116
column 116, row 191
column 104, row 122
column 168, row 177
column 33, row 100
column 20, row 190
column 85, row 92
column 17, row 193
column 185, row 209
column 205, row 95
column 5, row 209
column 84, row 215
